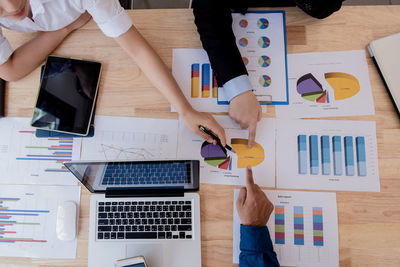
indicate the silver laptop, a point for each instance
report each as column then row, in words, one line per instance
column 143, row 208
column 386, row 55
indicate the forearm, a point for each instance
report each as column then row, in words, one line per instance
column 31, row 54
column 256, row 247
column 153, row 67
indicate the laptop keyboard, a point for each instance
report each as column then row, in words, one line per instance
column 125, row 173
column 144, row 220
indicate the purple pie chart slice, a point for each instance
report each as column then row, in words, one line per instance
column 308, row 84
column 209, row 150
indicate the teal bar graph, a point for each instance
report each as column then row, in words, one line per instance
column 325, row 155
column 337, row 155
column 361, row 159
column 302, row 153
column 349, row 155
column 314, row 161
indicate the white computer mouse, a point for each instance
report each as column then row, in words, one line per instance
column 66, row 221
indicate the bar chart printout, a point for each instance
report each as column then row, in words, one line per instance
column 279, row 224
column 303, row 228
column 28, row 217
column 318, row 231
column 298, row 222
column 327, row 155
column 27, row 159
column 12, row 218
column 338, row 153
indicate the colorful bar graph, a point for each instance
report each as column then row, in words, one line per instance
column 314, row 162
column 205, row 80
column 214, row 87
column 349, row 155
column 298, row 225
column 195, row 80
column 10, row 221
column 59, row 151
column 279, row 224
column 337, row 155
column 325, row 155
column 361, row 159
column 318, row 229
column 302, row 151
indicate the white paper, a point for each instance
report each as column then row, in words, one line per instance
column 26, row 159
column 274, row 53
column 325, row 254
column 288, row 156
column 189, row 147
column 38, row 229
column 125, row 138
column 350, row 64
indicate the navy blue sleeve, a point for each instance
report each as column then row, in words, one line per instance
column 256, row 248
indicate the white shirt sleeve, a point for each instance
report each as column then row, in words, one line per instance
column 5, row 48
column 109, row 16
column 236, row 86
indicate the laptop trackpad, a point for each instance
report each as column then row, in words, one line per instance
column 153, row 253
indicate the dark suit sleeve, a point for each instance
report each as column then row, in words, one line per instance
column 214, row 23
column 256, row 249
column 319, row 8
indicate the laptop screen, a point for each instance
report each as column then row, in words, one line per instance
column 125, row 175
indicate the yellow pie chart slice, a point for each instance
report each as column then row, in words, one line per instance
column 344, row 85
column 247, row 156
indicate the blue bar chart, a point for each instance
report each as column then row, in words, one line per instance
column 321, row 145
column 302, row 149
column 337, row 155
column 314, row 162
column 327, row 155
column 361, row 160
column 349, row 155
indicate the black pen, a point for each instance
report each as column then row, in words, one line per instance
column 213, row 136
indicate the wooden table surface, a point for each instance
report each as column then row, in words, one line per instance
column 369, row 223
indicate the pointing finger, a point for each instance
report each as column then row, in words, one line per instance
column 252, row 134
column 249, row 179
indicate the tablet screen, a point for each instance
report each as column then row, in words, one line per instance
column 67, row 95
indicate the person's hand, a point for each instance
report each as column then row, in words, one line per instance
column 79, row 22
column 252, row 204
column 194, row 118
column 245, row 110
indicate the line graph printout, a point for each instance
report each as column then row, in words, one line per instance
column 219, row 166
column 28, row 221
column 26, row 159
column 125, row 138
column 328, row 84
column 327, row 155
column 303, row 228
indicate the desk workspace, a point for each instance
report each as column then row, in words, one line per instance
column 363, row 217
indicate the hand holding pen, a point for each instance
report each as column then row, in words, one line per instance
column 214, row 137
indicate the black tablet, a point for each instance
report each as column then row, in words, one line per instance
column 67, row 95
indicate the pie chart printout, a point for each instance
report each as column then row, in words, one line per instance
column 216, row 155
column 264, row 61
column 247, row 156
column 245, row 60
column 262, row 23
column 243, row 42
column 344, row 86
column 263, row 42
column 243, row 23
column 264, row 80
